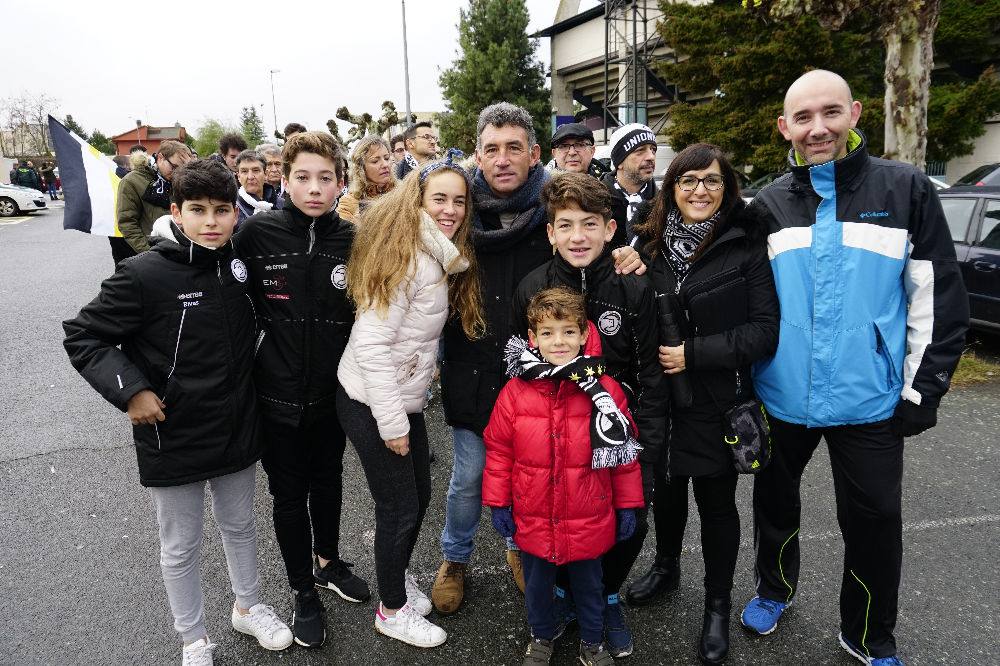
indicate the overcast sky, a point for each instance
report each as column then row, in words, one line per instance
column 112, row 62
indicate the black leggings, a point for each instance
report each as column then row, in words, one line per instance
column 720, row 524
column 400, row 486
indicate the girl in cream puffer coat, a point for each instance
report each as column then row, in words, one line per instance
column 412, row 263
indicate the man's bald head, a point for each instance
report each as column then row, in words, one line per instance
column 819, row 114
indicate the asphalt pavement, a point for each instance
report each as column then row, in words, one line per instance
column 80, row 581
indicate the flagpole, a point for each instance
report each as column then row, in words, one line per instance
column 274, row 107
column 406, row 66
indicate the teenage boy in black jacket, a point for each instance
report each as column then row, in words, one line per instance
column 296, row 262
column 623, row 307
column 183, row 375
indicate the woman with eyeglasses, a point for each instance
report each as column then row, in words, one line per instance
column 708, row 254
column 370, row 176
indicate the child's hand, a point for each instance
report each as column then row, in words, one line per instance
column 626, row 524
column 400, row 445
column 627, row 260
column 144, row 408
column 503, row 521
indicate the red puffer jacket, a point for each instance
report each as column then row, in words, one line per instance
column 538, row 460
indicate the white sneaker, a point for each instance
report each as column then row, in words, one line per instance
column 262, row 623
column 416, row 599
column 411, row 627
column 198, row 653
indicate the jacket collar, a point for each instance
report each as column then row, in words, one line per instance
column 846, row 170
column 325, row 223
column 590, row 275
column 169, row 241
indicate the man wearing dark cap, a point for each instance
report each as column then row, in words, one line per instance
column 633, row 158
column 573, row 150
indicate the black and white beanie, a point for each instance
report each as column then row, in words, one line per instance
column 626, row 139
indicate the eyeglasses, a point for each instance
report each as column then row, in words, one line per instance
column 427, row 137
column 172, row 165
column 578, row 147
column 712, row 183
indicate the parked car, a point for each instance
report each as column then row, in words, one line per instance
column 987, row 175
column 974, row 219
column 15, row 200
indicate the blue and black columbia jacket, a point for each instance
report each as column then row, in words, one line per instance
column 873, row 307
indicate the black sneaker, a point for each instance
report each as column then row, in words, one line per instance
column 337, row 576
column 308, row 620
column 595, row 655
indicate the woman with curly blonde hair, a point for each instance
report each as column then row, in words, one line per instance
column 370, row 175
column 412, row 261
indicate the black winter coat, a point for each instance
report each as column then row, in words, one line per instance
column 619, row 209
column 297, row 268
column 472, row 371
column 186, row 328
column 623, row 308
column 730, row 318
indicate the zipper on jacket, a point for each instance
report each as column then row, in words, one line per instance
column 312, row 236
column 229, row 346
column 177, row 346
column 583, row 281
column 884, row 355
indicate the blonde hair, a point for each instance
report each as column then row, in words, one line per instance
column 385, row 248
column 358, row 182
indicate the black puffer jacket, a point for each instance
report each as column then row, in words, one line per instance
column 623, row 307
column 186, row 328
column 297, row 269
column 619, row 209
column 730, row 319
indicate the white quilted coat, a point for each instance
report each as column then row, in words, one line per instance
column 390, row 360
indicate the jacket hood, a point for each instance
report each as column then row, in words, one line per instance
column 168, row 240
column 846, row 170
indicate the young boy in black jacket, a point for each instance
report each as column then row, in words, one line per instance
column 183, row 375
column 296, row 262
column 624, row 309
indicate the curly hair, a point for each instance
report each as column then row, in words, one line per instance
column 385, row 248
column 358, row 182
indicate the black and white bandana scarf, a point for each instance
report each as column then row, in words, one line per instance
column 611, row 434
column 680, row 241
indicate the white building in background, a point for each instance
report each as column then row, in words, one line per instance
column 596, row 51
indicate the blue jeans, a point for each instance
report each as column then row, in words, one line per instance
column 464, row 505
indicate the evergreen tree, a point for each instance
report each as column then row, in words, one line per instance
column 102, row 143
column 251, row 126
column 496, row 63
column 749, row 60
column 74, row 127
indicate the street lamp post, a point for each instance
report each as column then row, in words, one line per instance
column 406, row 66
column 274, row 107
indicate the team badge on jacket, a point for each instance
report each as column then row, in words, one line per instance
column 239, row 270
column 610, row 322
column 339, row 276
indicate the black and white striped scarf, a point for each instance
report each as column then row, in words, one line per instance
column 611, row 434
column 681, row 241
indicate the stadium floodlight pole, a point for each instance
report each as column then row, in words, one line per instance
column 274, row 108
column 406, row 66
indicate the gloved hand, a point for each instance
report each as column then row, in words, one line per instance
column 911, row 419
column 503, row 521
column 626, row 524
column 647, row 481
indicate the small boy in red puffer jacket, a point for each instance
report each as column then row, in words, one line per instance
column 561, row 474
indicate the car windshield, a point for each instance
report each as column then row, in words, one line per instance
column 976, row 175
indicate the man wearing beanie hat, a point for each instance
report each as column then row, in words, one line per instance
column 633, row 158
column 573, row 150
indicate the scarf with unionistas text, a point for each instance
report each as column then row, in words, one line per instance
column 611, row 435
column 681, row 241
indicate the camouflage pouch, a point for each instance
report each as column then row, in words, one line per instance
column 747, row 435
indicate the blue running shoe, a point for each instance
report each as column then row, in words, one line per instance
column 617, row 635
column 564, row 611
column 871, row 661
column 761, row 615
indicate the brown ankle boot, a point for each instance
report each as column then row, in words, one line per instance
column 516, row 568
column 449, row 587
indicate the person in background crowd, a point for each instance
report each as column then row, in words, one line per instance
column 195, row 434
column 255, row 195
column 413, row 257
column 564, row 490
column 873, row 320
column 291, row 129
column 369, row 176
column 421, row 141
column 573, row 150
column 272, row 165
column 144, row 196
column 230, row 146
column 633, row 158
column 26, row 176
column 121, row 165
column 397, row 148
column 696, row 232
column 49, row 175
column 296, row 263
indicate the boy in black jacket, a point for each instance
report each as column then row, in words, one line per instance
column 296, row 262
column 624, row 309
column 186, row 330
